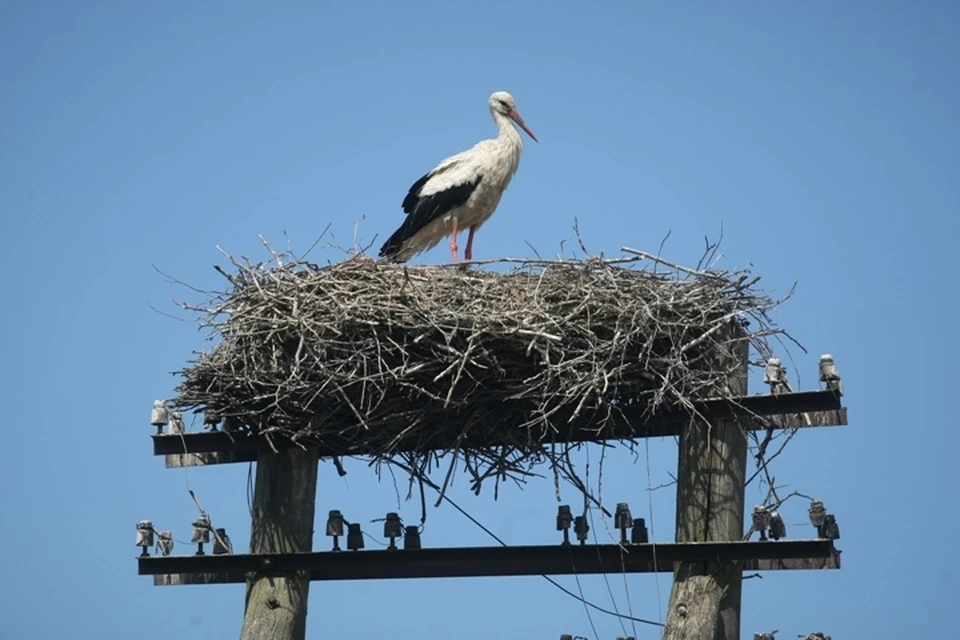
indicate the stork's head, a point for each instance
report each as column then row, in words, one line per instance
column 503, row 103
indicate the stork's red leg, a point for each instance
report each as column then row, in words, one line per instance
column 468, row 252
column 453, row 242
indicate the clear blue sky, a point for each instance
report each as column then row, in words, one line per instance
column 823, row 136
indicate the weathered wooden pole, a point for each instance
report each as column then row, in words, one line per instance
column 705, row 599
column 283, row 510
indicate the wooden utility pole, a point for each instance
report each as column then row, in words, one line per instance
column 707, row 560
column 283, row 511
column 705, row 598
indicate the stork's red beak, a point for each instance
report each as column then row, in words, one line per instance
column 515, row 116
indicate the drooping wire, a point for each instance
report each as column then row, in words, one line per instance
column 582, row 598
column 576, row 575
column 425, row 481
column 593, row 526
column 626, row 590
column 653, row 536
column 547, row 578
column 373, row 538
column 623, row 561
column 620, row 618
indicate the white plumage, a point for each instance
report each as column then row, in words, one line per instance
column 461, row 192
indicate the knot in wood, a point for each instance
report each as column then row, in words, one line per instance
column 273, row 603
column 682, row 610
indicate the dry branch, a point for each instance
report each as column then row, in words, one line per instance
column 497, row 365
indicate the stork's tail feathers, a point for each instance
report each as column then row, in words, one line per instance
column 391, row 249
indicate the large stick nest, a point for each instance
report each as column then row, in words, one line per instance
column 394, row 361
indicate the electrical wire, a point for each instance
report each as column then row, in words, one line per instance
column 623, row 560
column 623, row 563
column 606, row 581
column 626, row 590
column 376, row 540
column 656, row 574
column 587, row 511
column 582, row 598
column 548, row 578
column 576, row 575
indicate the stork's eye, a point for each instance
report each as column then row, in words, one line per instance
column 504, row 105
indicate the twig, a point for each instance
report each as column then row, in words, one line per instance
column 649, row 256
column 439, row 367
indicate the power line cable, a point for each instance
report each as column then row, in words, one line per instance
column 548, row 578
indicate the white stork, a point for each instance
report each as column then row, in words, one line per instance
column 462, row 191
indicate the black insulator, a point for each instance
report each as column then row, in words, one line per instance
column 639, row 534
column 354, row 536
column 581, row 528
column 411, row 537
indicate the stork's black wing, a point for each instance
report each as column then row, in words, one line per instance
column 422, row 209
